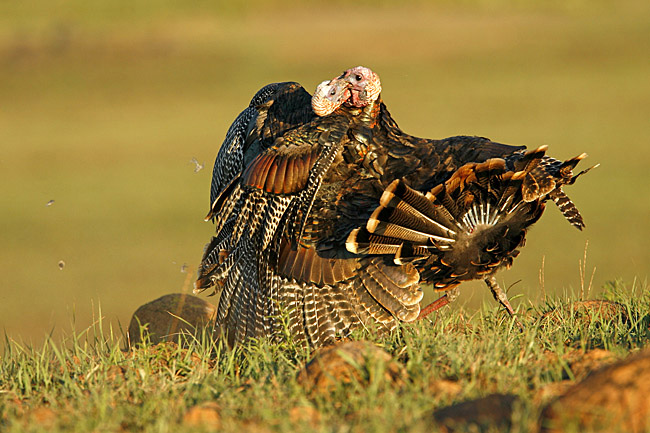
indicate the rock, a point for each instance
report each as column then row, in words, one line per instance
column 551, row 391
column 304, row 415
column 582, row 363
column 167, row 317
column 614, row 398
column 494, row 410
column 203, row 415
column 443, row 388
column 165, row 356
column 345, row 363
column 44, row 416
column 585, row 312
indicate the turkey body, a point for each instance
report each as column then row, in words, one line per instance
column 291, row 150
column 329, row 224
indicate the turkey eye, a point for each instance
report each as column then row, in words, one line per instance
column 333, row 92
column 358, row 77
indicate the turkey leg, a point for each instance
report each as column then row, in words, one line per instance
column 445, row 299
column 501, row 298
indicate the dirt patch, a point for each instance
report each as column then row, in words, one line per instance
column 43, row 416
column 444, row 389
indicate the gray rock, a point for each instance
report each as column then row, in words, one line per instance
column 169, row 316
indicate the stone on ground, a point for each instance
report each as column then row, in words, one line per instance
column 359, row 362
column 614, row 398
column 165, row 318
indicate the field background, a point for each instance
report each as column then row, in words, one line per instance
column 104, row 104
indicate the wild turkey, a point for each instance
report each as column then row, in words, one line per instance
column 236, row 259
column 431, row 163
column 377, row 212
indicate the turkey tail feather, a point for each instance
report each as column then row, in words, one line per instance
column 468, row 226
column 568, row 209
column 574, row 177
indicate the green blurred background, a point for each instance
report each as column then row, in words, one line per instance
column 104, row 104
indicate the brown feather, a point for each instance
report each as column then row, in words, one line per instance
column 269, row 181
column 280, row 184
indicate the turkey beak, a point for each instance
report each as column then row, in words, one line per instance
column 344, row 91
column 350, row 77
column 332, row 94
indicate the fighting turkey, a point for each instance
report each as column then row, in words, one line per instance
column 237, row 259
column 468, row 197
column 342, row 219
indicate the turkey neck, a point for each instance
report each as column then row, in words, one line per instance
column 361, row 150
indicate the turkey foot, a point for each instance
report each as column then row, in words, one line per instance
column 445, row 299
column 502, row 298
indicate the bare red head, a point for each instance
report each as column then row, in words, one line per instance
column 365, row 85
column 355, row 87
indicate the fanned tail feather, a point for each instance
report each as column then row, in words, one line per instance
column 470, row 225
column 361, row 241
column 403, row 299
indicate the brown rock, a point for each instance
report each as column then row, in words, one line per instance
column 169, row 316
column 203, row 415
column 583, row 363
column 44, row 416
column 115, row 373
column 494, row 410
column 614, row 398
column 551, row 391
column 586, row 311
column 444, row 389
column 345, row 363
column 304, row 415
column 580, row 363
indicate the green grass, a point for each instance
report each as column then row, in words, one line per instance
column 103, row 105
column 86, row 382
